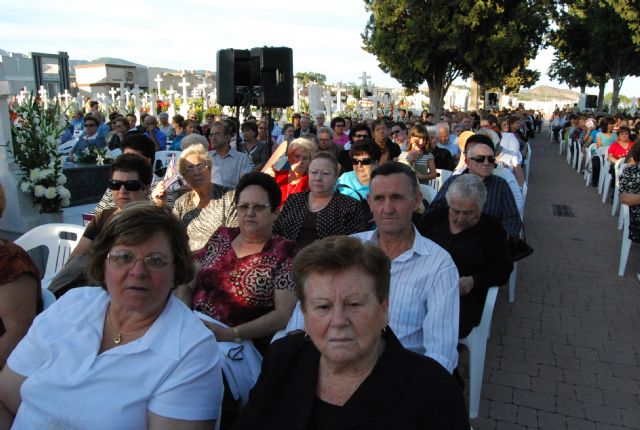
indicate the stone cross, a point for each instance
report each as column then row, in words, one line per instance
column 112, row 93
column 127, row 95
column 154, row 105
column 170, row 93
column 195, row 93
column 136, row 99
column 66, row 96
column 213, row 96
column 22, row 94
column 122, row 100
column 42, row 92
column 184, row 84
column 364, row 78
column 157, row 80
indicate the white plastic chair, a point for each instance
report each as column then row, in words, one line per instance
column 561, row 142
column 606, row 185
column 476, row 343
column 587, row 163
column 441, row 178
column 617, row 170
column 428, row 192
column 580, row 156
column 163, row 158
column 527, row 163
column 626, row 242
column 604, row 169
column 50, row 236
column 567, row 143
column 525, row 190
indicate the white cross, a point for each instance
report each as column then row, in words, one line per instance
column 66, row 96
column 42, row 92
column 171, row 92
column 112, row 93
column 127, row 94
column 184, row 84
column 195, row 93
column 364, row 78
column 136, row 90
column 157, row 80
column 100, row 96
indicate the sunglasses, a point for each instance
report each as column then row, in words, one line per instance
column 361, row 136
column 364, row 161
column 482, row 158
column 395, row 132
column 130, row 185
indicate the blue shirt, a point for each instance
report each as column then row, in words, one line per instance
column 452, row 146
column 177, row 143
column 161, row 137
column 351, row 180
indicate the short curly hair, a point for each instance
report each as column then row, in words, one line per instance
column 134, row 225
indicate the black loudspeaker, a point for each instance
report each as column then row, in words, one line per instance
column 233, row 77
column 272, row 76
column 591, row 102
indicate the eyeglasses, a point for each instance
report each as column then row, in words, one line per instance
column 130, row 185
column 395, row 132
column 482, row 158
column 196, row 168
column 361, row 136
column 364, row 161
column 126, row 260
column 243, row 208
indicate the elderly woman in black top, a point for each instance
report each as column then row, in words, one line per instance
column 476, row 241
column 321, row 211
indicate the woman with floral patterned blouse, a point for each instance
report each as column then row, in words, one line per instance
column 245, row 279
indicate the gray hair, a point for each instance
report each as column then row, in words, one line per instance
column 468, row 187
column 192, row 139
column 441, row 125
column 324, row 129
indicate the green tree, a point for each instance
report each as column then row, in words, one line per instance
column 596, row 40
column 629, row 10
column 306, row 78
column 435, row 41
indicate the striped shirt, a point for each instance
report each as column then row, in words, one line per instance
column 500, row 202
column 424, row 300
column 227, row 171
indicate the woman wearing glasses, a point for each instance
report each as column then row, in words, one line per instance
column 321, row 211
column 365, row 155
column 245, row 280
column 207, row 206
column 130, row 179
column 127, row 355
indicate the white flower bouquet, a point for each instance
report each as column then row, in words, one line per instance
column 36, row 136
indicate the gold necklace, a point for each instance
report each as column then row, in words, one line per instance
column 118, row 337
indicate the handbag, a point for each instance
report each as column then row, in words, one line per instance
column 519, row 248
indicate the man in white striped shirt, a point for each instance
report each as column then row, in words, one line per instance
column 227, row 164
column 424, row 301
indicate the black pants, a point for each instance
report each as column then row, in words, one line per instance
column 595, row 171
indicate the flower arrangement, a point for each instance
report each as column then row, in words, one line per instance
column 36, row 134
column 93, row 154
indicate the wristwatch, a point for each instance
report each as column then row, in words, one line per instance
column 237, row 338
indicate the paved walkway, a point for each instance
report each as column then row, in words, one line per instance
column 566, row 353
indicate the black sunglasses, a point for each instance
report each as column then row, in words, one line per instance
column 362, row 136
column 364, row 161
column 130, row 185
column 481, row 158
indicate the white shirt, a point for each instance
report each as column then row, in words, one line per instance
column 228, row 170
column 172, row 371
column 424, row 300
column 510, row 154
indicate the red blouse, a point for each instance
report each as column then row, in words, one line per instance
column 14, row 262
column 618, row 151
column 237, row 290
column 282, row 179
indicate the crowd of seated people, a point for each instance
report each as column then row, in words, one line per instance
column 258, row 221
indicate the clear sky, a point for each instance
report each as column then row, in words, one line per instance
column 186, row 34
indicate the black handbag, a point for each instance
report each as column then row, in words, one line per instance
column 519, row 248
